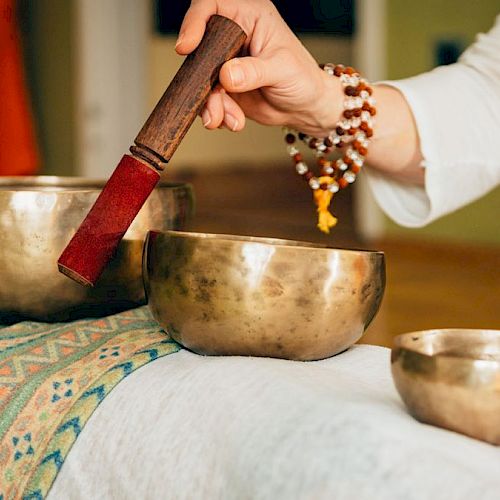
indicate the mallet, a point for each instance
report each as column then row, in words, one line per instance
column 97, row 238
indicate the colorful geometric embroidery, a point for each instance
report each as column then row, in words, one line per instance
column 52, row 378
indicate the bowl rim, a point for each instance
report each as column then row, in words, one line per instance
column 11, row 184
column 263, row 240
column 401, row 343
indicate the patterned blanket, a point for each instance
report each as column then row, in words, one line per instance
column 52, row 378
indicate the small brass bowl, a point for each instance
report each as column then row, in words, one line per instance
column 38, row 217
column 451, row 379
column 237, row 295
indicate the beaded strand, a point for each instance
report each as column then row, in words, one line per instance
column 352, row 134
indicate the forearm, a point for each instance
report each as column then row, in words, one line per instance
column 395, row 147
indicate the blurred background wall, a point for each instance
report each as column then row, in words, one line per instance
column 73, row 76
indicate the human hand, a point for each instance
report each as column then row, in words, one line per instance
column 276, row 82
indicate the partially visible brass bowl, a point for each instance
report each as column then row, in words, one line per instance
column 451, row 379
column 237, row 295
column 38, row 217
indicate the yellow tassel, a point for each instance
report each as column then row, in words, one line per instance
column 323, row 198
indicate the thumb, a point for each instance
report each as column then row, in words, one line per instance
column 248, row 73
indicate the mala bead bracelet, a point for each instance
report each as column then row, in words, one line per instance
column 351, row 137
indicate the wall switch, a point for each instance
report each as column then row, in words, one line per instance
column 447, row 51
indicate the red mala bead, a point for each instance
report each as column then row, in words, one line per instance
column 356, row 112
column 352, row 131
column 348, row 113
column 347, row 160
column 368, row 132
column 340, row 144
column 355, row 168
column 362, row 151
column 338, row 70
column 328, row 142
column 350, row 91
column 340, row 131
column 297, row 157
column 323, row 186
column 308, row 176
column 372, row 111
column 342, row 183
column 290, row 138
column 349, row 70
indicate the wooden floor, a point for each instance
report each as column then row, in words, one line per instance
column 429, row 285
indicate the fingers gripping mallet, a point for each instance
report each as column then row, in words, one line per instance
column 96, row 240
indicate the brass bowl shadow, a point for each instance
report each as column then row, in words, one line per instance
column 38, row 217
column 237, row 295
column 451, row 378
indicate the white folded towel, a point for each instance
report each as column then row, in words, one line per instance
column 193, row 427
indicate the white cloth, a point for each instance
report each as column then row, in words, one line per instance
column 193, row 427
column 457, row 113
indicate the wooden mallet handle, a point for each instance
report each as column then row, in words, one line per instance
column 97, row 238
column 187, row 93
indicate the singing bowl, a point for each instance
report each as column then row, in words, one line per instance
column 236, row 295
column 38, row 217
column 451, row 379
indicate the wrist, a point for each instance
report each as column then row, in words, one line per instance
column 395, row 149
column 318, row 116
column 328, row 106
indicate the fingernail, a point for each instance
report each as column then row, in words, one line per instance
column 231, row 122
column 179, row 40
column 236, row 73
column 206, row 118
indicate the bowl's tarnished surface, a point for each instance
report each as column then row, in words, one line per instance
column 39, row 215
column 451, row 378
column 236, row 295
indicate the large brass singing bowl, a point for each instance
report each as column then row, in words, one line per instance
column 38, row 217
column 451, row 379
column 235, row 295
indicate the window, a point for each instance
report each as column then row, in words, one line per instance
column 329, row 17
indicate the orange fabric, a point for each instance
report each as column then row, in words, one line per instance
column 18, row 151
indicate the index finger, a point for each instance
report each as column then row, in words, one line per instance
column 193, row 25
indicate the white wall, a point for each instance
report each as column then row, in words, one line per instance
column 111, row 46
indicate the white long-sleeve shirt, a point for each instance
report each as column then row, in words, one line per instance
column 457, row 114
